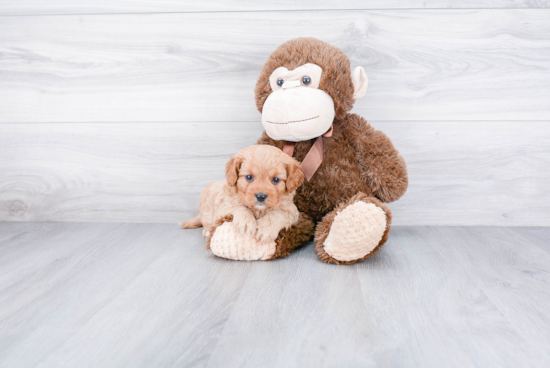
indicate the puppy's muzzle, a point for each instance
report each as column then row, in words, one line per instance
column 261, row 197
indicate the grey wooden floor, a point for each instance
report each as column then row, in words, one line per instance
column 114, row 295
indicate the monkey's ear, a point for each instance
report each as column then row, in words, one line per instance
column 360, row 82
column 232, row 170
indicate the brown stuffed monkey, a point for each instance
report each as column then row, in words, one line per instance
column 304, row 92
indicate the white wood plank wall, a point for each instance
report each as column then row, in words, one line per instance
column 123, row 110
column 35, row 7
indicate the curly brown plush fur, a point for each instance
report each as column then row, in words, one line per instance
column 358, row 160
column 296, row 236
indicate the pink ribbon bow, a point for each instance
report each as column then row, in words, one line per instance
column 314, row 157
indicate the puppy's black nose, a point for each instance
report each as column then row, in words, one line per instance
column 261, row 197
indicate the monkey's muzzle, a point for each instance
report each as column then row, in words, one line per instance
column 297, row 114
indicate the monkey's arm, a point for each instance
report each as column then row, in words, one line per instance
column 381, row 164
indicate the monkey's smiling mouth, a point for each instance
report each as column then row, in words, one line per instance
column 290, row 122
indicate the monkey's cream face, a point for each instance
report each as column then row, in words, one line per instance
column 297, row 110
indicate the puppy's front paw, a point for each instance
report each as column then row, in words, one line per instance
column 266, row 233
column 245, row 225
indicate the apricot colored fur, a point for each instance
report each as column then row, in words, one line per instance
column 235, row 198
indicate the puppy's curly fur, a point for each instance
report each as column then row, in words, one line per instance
column 258, row 194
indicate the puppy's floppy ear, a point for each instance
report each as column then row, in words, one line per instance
column 294, row 175
column 232, row 170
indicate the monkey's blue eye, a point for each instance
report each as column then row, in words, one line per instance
column 249, row 178
column 280, row 82
column 276, row 180
column 306, row 80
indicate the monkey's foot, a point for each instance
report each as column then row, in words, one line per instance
column 227, row 242
column 353, row 231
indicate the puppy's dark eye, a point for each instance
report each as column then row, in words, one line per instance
column 306, row 80
column 249, row 178
column 280, row 82
column 276, row 180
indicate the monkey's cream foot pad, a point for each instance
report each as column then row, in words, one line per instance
column 231, row 244
column 355, row 231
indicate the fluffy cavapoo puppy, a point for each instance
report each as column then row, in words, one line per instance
column 258, row 194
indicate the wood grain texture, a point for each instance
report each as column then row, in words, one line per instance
column 439, row 300
column 405, row 307
column 311, row 315
column 142, row 295
column 422, row 64
column 117, row 289
column 78, row 7
column 459, row 291
column 461, row 173
column 508, row 267
column 538, row 236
